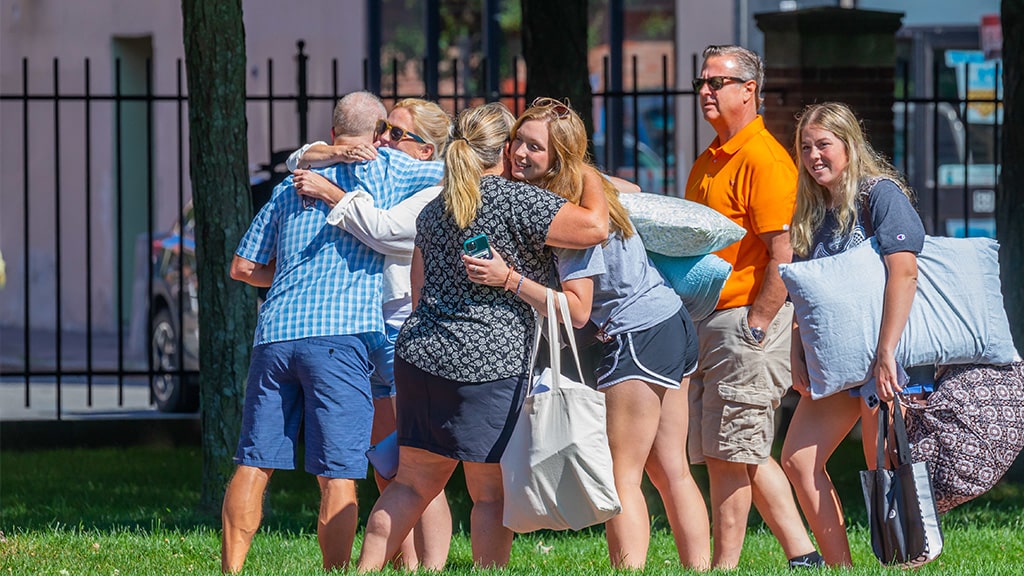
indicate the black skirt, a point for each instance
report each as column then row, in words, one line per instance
column 466, row 421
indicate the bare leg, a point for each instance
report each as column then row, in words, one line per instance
column 428, row 544
column 670, row 473
column 491, row 541
column 336, row 524
column 817, row 428
column 773, row 498
column 421, row 477
column 241, row 514
column 634, row 413
column 433, row 534
column 383, row 425
column 730, row 507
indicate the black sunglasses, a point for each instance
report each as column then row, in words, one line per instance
column 714, row 82
column 560, row 109
column 397, row 134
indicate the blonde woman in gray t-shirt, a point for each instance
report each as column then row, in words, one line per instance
column 846, row 193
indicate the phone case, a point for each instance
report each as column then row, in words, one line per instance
column 477, row 247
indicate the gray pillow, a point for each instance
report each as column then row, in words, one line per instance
column 697, row 279
column 957, row 316
column 679, row 227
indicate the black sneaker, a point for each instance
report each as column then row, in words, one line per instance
column 812, row 560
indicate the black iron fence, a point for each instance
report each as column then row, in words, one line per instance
column 106, row 292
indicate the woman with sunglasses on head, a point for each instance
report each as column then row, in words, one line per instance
column 846, row 192
column 419, row 128
column 650, row 344
column 462, row 355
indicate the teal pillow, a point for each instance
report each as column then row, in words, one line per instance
column 697, row 279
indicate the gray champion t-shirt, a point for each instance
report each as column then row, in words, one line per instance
column 894, row 222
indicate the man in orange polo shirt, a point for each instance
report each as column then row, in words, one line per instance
column 743, row 368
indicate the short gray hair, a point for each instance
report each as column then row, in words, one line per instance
column 749, row 64
column 356, row 114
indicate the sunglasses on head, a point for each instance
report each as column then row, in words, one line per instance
column 397, row 134
column 560, row 109
column 714, row 82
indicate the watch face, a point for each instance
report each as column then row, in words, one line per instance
column 757, row 333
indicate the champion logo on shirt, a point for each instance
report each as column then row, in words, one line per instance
column 901, row 237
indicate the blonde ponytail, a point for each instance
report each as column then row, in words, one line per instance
column 478, row 144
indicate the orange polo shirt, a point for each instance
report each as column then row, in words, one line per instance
column 751, row 179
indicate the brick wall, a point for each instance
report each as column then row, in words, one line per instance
column 868, row 92
column 827, row 54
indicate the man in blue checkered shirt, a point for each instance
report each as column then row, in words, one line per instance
column 310, row 362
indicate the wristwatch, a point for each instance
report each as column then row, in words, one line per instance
column 758, row 333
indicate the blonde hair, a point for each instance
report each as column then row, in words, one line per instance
column 430, row 122
column 478, row 144
column 812, row 199
column 567, row 145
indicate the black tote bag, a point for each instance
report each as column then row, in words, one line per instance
column 902, row 515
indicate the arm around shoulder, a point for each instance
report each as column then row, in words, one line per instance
column 584, row 225
column 390, row 232
column 622, row 185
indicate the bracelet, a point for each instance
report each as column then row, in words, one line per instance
column 519, row 286
column 507, row 276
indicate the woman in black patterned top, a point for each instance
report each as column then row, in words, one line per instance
column 462, row 356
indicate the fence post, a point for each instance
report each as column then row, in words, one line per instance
column 613, row 125
column 303, row 93
column 431, row 73
column 492, row 46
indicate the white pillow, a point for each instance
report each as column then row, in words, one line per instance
column 957, row 316
column 697, row 279
column 679, row 227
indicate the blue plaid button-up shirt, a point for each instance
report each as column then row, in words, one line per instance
column 327, row 283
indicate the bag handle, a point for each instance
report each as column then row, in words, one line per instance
column 899, row 429
column 563, row 304
column 883, row 433
column 903, row 455
column 551, row 322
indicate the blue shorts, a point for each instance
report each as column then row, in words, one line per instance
column 382, row 381
column 320, row 383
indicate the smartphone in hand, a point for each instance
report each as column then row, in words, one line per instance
column 477, row 247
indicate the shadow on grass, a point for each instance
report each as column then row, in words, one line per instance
column 154, row 488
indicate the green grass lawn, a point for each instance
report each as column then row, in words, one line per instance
column 132, row 511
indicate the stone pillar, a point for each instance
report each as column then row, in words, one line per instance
column 830, row 54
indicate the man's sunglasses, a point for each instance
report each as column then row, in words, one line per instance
column 397, row 134
column 715, row 82
column 560, row 109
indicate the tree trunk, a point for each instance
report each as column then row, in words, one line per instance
column 555, row 50
column 1010, row 192
column 215, row 60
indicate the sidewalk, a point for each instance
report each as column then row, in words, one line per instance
column 45, row 387
column 74, row 351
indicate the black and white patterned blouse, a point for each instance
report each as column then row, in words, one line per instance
column 470, row 332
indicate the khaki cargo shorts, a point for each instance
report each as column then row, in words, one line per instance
column 737, row 387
